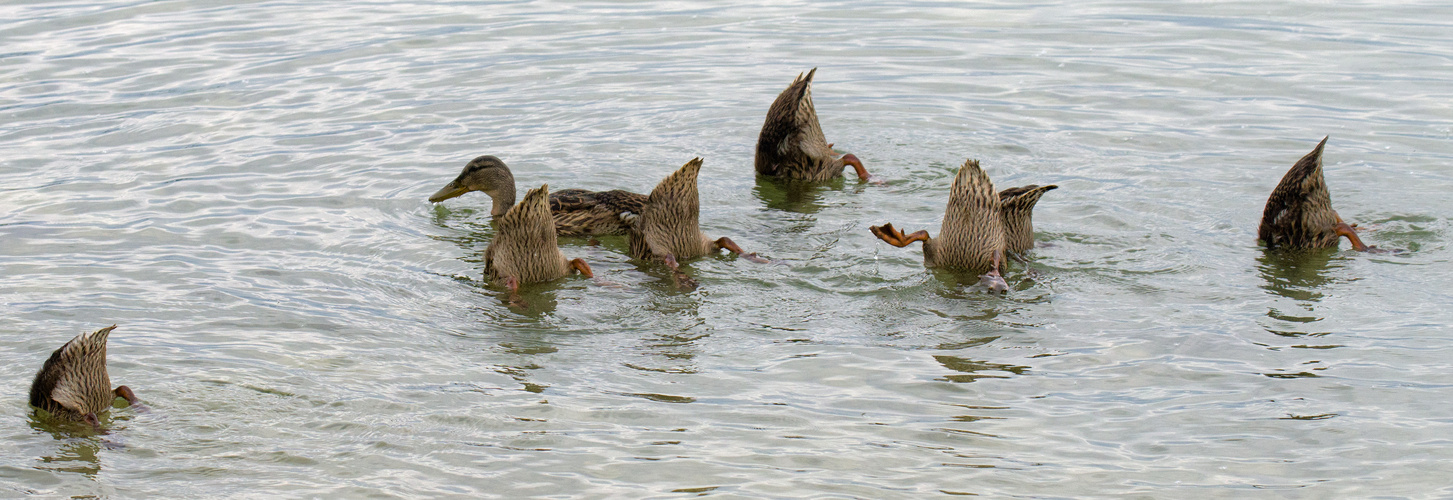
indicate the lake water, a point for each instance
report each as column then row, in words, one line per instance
column 242, row 186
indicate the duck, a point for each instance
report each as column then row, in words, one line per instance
column 972, row 237
column 1017, row 206
column 73, row 384
column 1299, row 214
column 792, row 145
column 668, row 229
column 576, row 212
column 524, row 249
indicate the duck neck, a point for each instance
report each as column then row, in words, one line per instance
column 503, row 200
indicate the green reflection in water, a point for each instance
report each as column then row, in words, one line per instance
column 1297, row 275
column 1301, row 277
column 793, row 196
column 79, row 446
column 974, row 370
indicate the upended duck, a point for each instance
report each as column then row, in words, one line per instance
column 524, row 249
column 978, row 227
column 667, row 229
column 73, row 384
column 792, row 145
column 576, row 212
column 1299, row 213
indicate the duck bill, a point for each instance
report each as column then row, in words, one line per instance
column 450, row 191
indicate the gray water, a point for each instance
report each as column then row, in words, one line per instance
column 241, row 186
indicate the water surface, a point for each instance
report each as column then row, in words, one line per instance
column 242, row 186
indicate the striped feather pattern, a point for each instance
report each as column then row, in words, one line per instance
column 524, row 244
column 73, row 382
column 669, row 221
column 791, row 143
column 579, row 212
column 972, row 225
column 1299, row 212
column 1017, row 206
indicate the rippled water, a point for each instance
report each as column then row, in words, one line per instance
column 241, row 187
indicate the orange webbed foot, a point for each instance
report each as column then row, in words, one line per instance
column 894, row 236
column 1343, row 229
column 124, row 392
column 727, row 243
column 863, row 176
column 580, row 265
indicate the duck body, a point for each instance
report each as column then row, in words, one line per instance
column 971, row 238
column 670, row 220
column 1299, row 214
column 73, row 384
column 578, row 212
column 792, row 145
column 1017, row 207
column 525, row 249
column 668, row 229
column 575, row 212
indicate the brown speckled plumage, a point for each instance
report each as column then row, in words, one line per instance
column 73, row 383
column 668, row 229
column 973, row 226
column 1299, row 213
column 972, row 236
column 669, row 223
column 576, row 212
column 1017, row 205
column 524, row 246
column 791, row 144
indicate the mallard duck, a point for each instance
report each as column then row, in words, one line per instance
column 1299, row 213
column 1017, row 205
column 524, row 248
column 972, row 236
column 576, row 212
column 667, row 229
column 73, row 384
column 791, row 144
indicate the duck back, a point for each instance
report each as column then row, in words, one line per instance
column 972, row 225
column 73, row 382
column 1299, row 213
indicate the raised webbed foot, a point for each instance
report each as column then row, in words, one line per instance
column 893, row 236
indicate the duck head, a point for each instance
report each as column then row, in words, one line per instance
column 488, row 174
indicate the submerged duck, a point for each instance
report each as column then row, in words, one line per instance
column 791, row 144
column 73, row 384
column 1299, row 213
column 524, row 248
column 1017, row 205
column 668, row 229
column 972, row 237
column 576, row 212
